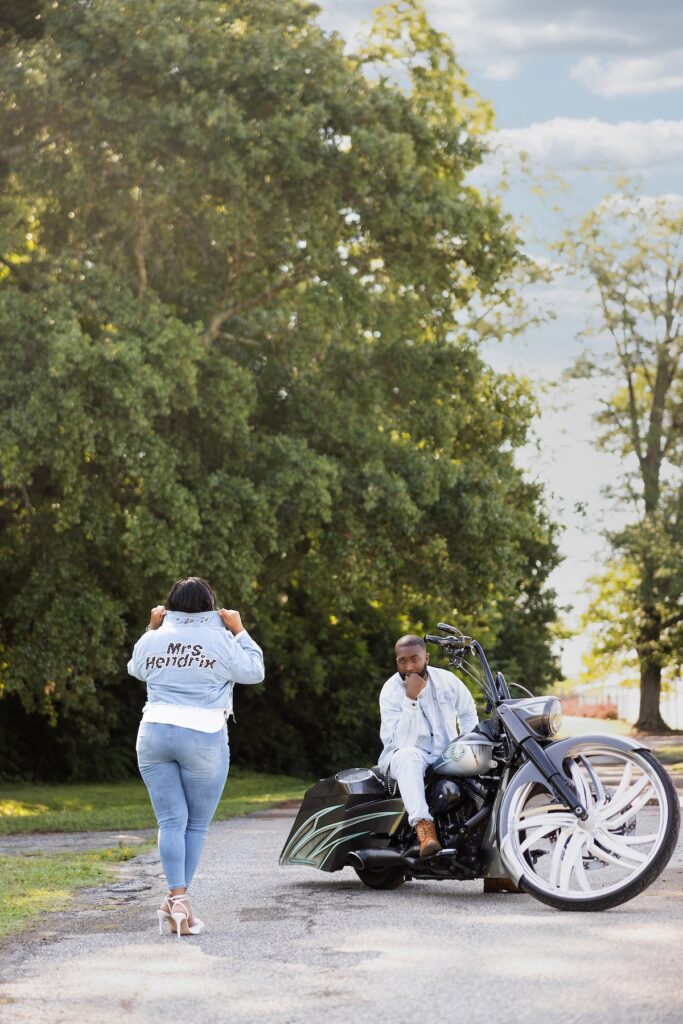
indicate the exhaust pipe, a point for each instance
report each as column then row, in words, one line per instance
column 361, row 859
column 376, row 859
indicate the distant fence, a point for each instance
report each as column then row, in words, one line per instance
column 670, row 706
column 612, row 700
column 577, row 707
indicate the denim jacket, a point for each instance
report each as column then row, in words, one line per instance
column 194, row 661
column 403, row 723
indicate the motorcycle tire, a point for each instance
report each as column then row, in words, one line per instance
column 381, row 878
column 551, row 891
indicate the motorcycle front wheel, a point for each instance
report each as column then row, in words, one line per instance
column 625, row 843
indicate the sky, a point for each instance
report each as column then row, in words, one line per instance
column 591, row 93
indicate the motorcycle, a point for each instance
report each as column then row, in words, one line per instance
column 584, row 823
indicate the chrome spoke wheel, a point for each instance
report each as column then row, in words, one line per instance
column 632, row 816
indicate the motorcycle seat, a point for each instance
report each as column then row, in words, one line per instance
column 390, row 785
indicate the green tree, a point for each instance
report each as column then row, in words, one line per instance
column 244, row 283
column 21, row 17
column 631, row 249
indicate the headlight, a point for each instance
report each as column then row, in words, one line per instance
column 552, row 716
column 542, row 715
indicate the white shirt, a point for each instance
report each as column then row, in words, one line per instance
column 432, row 712
column 201, row 719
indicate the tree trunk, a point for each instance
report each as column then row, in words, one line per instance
column 648, row 648
column 649, row 716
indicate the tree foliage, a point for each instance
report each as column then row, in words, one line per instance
column 631, row 248
column 242, row 280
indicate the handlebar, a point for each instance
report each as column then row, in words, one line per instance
column 448, row 641
column 458, row 646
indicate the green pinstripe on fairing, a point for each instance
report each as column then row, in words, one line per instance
column 325, row 839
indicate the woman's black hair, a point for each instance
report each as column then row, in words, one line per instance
column 192, row 594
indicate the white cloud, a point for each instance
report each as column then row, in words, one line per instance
column 635, row 76
column 482, row 29
column 572, row 144
column 502, row 70
column 625, row 46
column 485, row 27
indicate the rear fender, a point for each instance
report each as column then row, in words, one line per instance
column 557, row 751
column 333, row 821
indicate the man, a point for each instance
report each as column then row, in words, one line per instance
column 422, row 710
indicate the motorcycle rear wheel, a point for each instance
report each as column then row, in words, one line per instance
column 630, row 834
column 381, row 878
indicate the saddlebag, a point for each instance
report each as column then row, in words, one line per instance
column 347, row 811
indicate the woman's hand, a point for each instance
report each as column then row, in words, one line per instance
column 231, row 620
column 157, row 616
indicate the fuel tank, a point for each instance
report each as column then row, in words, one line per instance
column 468, row 755
column 347, row 811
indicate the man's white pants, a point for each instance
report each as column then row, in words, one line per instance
column 408, row 766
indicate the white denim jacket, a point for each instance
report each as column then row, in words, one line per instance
column 403, row 722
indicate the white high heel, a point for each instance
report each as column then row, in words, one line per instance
column 164, row 914
column 180, row 914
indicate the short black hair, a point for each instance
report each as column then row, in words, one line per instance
column 410, row 640
column 192, row 594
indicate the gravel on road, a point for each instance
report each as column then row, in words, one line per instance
column 292, row 945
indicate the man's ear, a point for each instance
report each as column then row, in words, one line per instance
column 427, row 659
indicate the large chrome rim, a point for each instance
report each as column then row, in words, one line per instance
column 628, row 814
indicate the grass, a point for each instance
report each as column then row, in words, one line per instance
column 35, row 883
column 671, row 755
column 573, row 725
column 31, row 884
column 122, row 806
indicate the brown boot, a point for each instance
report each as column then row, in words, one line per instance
column 426, row 834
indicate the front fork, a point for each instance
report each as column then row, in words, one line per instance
column 557, row 780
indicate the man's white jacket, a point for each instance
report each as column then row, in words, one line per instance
column 403, row 722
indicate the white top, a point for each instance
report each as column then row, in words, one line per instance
column 432, row 711
column 201, row 719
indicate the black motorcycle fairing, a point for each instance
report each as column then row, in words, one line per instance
column 332, row 821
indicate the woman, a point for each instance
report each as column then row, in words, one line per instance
column 191, row 656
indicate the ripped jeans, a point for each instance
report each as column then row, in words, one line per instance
column 185, row 771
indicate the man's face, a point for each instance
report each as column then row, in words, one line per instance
column 412, row 659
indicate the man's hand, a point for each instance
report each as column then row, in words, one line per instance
column 157, row 616
column 231, row 620
column 413, row 684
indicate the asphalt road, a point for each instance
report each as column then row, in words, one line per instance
column 293, row 946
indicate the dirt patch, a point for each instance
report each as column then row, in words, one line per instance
column 135, row 885
column 71, row 842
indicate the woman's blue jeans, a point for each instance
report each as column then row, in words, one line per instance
column 185, row 772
